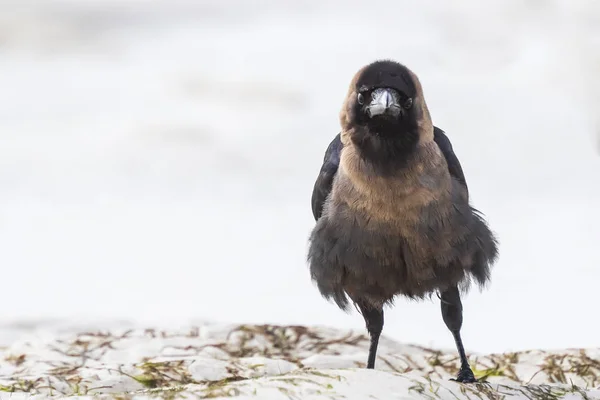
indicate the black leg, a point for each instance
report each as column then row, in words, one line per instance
column 452, row 314
column 374, row 321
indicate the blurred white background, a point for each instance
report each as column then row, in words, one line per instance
column 157, row 157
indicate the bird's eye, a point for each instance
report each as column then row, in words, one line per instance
column 361, row 99
column 408, row 103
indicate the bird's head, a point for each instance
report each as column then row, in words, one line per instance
column 385, row 107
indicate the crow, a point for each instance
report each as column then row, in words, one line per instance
column 392, row 211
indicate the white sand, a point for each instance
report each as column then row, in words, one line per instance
column 272, row 362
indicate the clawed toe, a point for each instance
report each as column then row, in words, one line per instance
column 465, row 376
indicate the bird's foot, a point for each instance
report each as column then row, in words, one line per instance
column 465, row 375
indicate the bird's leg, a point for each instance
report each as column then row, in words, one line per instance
column 453, row 318
column 374, row 320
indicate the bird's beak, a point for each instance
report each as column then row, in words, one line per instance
column 384, row 102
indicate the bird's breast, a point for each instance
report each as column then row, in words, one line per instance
column 398, row 199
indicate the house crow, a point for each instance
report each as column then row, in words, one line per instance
column 392, row 209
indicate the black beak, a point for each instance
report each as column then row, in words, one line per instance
column 384, row 102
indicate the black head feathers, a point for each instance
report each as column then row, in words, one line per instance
column 384, row 113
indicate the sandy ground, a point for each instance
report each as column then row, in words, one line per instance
column 157, row 157
column 274, row 362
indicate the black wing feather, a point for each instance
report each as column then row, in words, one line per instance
column 454, row 167
column 331, row 162
column 324, row 182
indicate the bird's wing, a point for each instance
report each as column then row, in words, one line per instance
column 453, row 164
column 324, row 181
